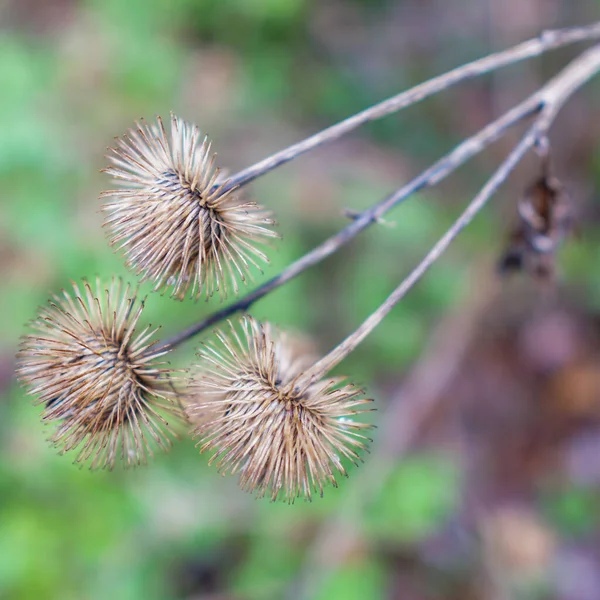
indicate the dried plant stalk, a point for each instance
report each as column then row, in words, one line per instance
column 546, row 102
column 548, row 40
column 173, row 218
column 98, row 379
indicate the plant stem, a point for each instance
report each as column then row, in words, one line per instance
column 551, row 97
column 548, row 40
column 542, row 100
column 431, row 176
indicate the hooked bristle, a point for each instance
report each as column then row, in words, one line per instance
column 98, row 378
column 286, row 439
column 173, row 216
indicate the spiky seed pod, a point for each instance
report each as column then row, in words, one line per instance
column 98, row 378
column 172, row 216
column 286, row 440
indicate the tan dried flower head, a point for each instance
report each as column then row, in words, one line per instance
column 172, row 216
column 98, row 379
column 286, row 438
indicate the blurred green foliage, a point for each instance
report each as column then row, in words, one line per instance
column 417, row 499
column 70, row 534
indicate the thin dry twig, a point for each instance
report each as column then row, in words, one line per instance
column 547, row 100
column 547, row 40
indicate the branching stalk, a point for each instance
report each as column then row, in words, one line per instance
column 546, row 101
column 551, row 97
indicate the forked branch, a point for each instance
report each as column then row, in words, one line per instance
column 550, row 99
column 546, row 101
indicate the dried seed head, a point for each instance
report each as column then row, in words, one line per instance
column 286, row 439
column 172, row 216
column 98, row 378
